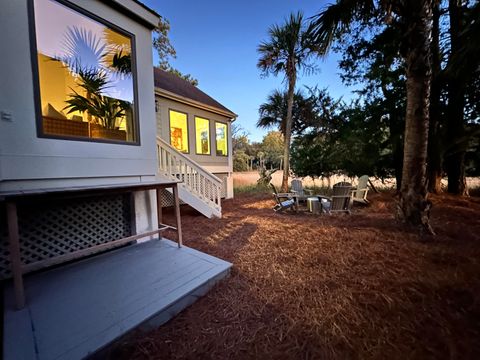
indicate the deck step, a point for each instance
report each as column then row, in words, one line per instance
column 75, row 310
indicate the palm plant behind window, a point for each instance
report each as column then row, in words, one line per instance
column 87, row 57
column 102, row 109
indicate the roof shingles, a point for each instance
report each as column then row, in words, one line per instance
column 178, row 86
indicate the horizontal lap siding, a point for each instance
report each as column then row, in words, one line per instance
column 163, row 106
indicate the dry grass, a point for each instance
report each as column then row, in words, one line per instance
column 248, row 178
column 339, row 287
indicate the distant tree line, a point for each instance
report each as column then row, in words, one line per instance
column 248, row 156
column 416, row 117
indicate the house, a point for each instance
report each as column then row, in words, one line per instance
column 81, row 171
column 192, row 124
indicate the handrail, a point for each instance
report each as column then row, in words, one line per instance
column 197, row 165
column 200, row 183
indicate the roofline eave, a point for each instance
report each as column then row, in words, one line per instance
column 170, row 95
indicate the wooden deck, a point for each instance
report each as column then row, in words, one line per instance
column 75, row 310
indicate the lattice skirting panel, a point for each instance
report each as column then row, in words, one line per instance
column 57, row 227
column 223, row 177
column 167, row 198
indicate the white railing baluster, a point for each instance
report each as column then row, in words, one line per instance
column 177, row 166
column 182, row 174
column 162, row 153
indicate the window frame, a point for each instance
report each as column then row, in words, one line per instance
column 209, row 135
column 36, row 78
column 226, row 138
column 170, row 130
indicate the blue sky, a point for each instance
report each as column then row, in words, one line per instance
column 216, row 42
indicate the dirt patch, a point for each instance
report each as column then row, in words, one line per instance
column 309, row 287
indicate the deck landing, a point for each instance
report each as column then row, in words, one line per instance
column 75, row 310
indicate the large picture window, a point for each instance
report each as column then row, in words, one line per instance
column 221, row 139
column 202, row 136
column 178, row 130
column 85, row 73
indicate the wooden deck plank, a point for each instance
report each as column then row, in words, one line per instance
column 105, row 313
column 22, row 345
column 79, row 308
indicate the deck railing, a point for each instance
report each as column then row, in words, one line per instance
column 174, row 165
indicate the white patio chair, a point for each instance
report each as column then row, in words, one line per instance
column 359, row 193
column 340, row 201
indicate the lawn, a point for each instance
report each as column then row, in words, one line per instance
column 306, row 286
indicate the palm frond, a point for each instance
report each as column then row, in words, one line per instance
column 273, row 112
column 82, row 49
column 335, row 19
column 122, row 63
column 466, row 61
column 287, row 49
column 76, row 102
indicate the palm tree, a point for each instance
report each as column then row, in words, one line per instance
column 414, row 17
column 287, row 51
column 273, row 112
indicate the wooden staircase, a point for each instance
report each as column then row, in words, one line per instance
column 199, row 188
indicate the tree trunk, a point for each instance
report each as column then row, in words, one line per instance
column 413, row 206
column 288, row 128
column 435, row 154
column 396, row 128
column 455, row 167
column 397, row 148
column 372, row 186
column 455, row 157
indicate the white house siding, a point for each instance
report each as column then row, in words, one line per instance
column 26, row 158
column 27, row 161
column 215, row 164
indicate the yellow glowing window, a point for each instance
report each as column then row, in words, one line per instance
column 202, row 135
column 85, row 73
column 221, row 139
column 179, row 131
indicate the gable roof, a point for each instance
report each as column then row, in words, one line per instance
column 168, row 83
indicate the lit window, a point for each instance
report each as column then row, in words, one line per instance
column 179, row 131
column 85, row 75
column 202, row 135
column 221, row 138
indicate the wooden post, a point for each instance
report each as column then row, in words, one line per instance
column 133, row 216
column 15, row 260
column 159, row 208
column 177, row 214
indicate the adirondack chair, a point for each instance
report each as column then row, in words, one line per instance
column 359, row 193
column 284, row 201
column 340, row 201
column 297, row 188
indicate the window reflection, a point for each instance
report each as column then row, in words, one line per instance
column 202, row 135
column 85, row 75
column 178, row 131
column 221, row 139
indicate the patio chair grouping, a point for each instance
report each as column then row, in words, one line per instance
column 341, row 200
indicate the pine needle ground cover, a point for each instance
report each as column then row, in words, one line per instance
column 329, row 287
